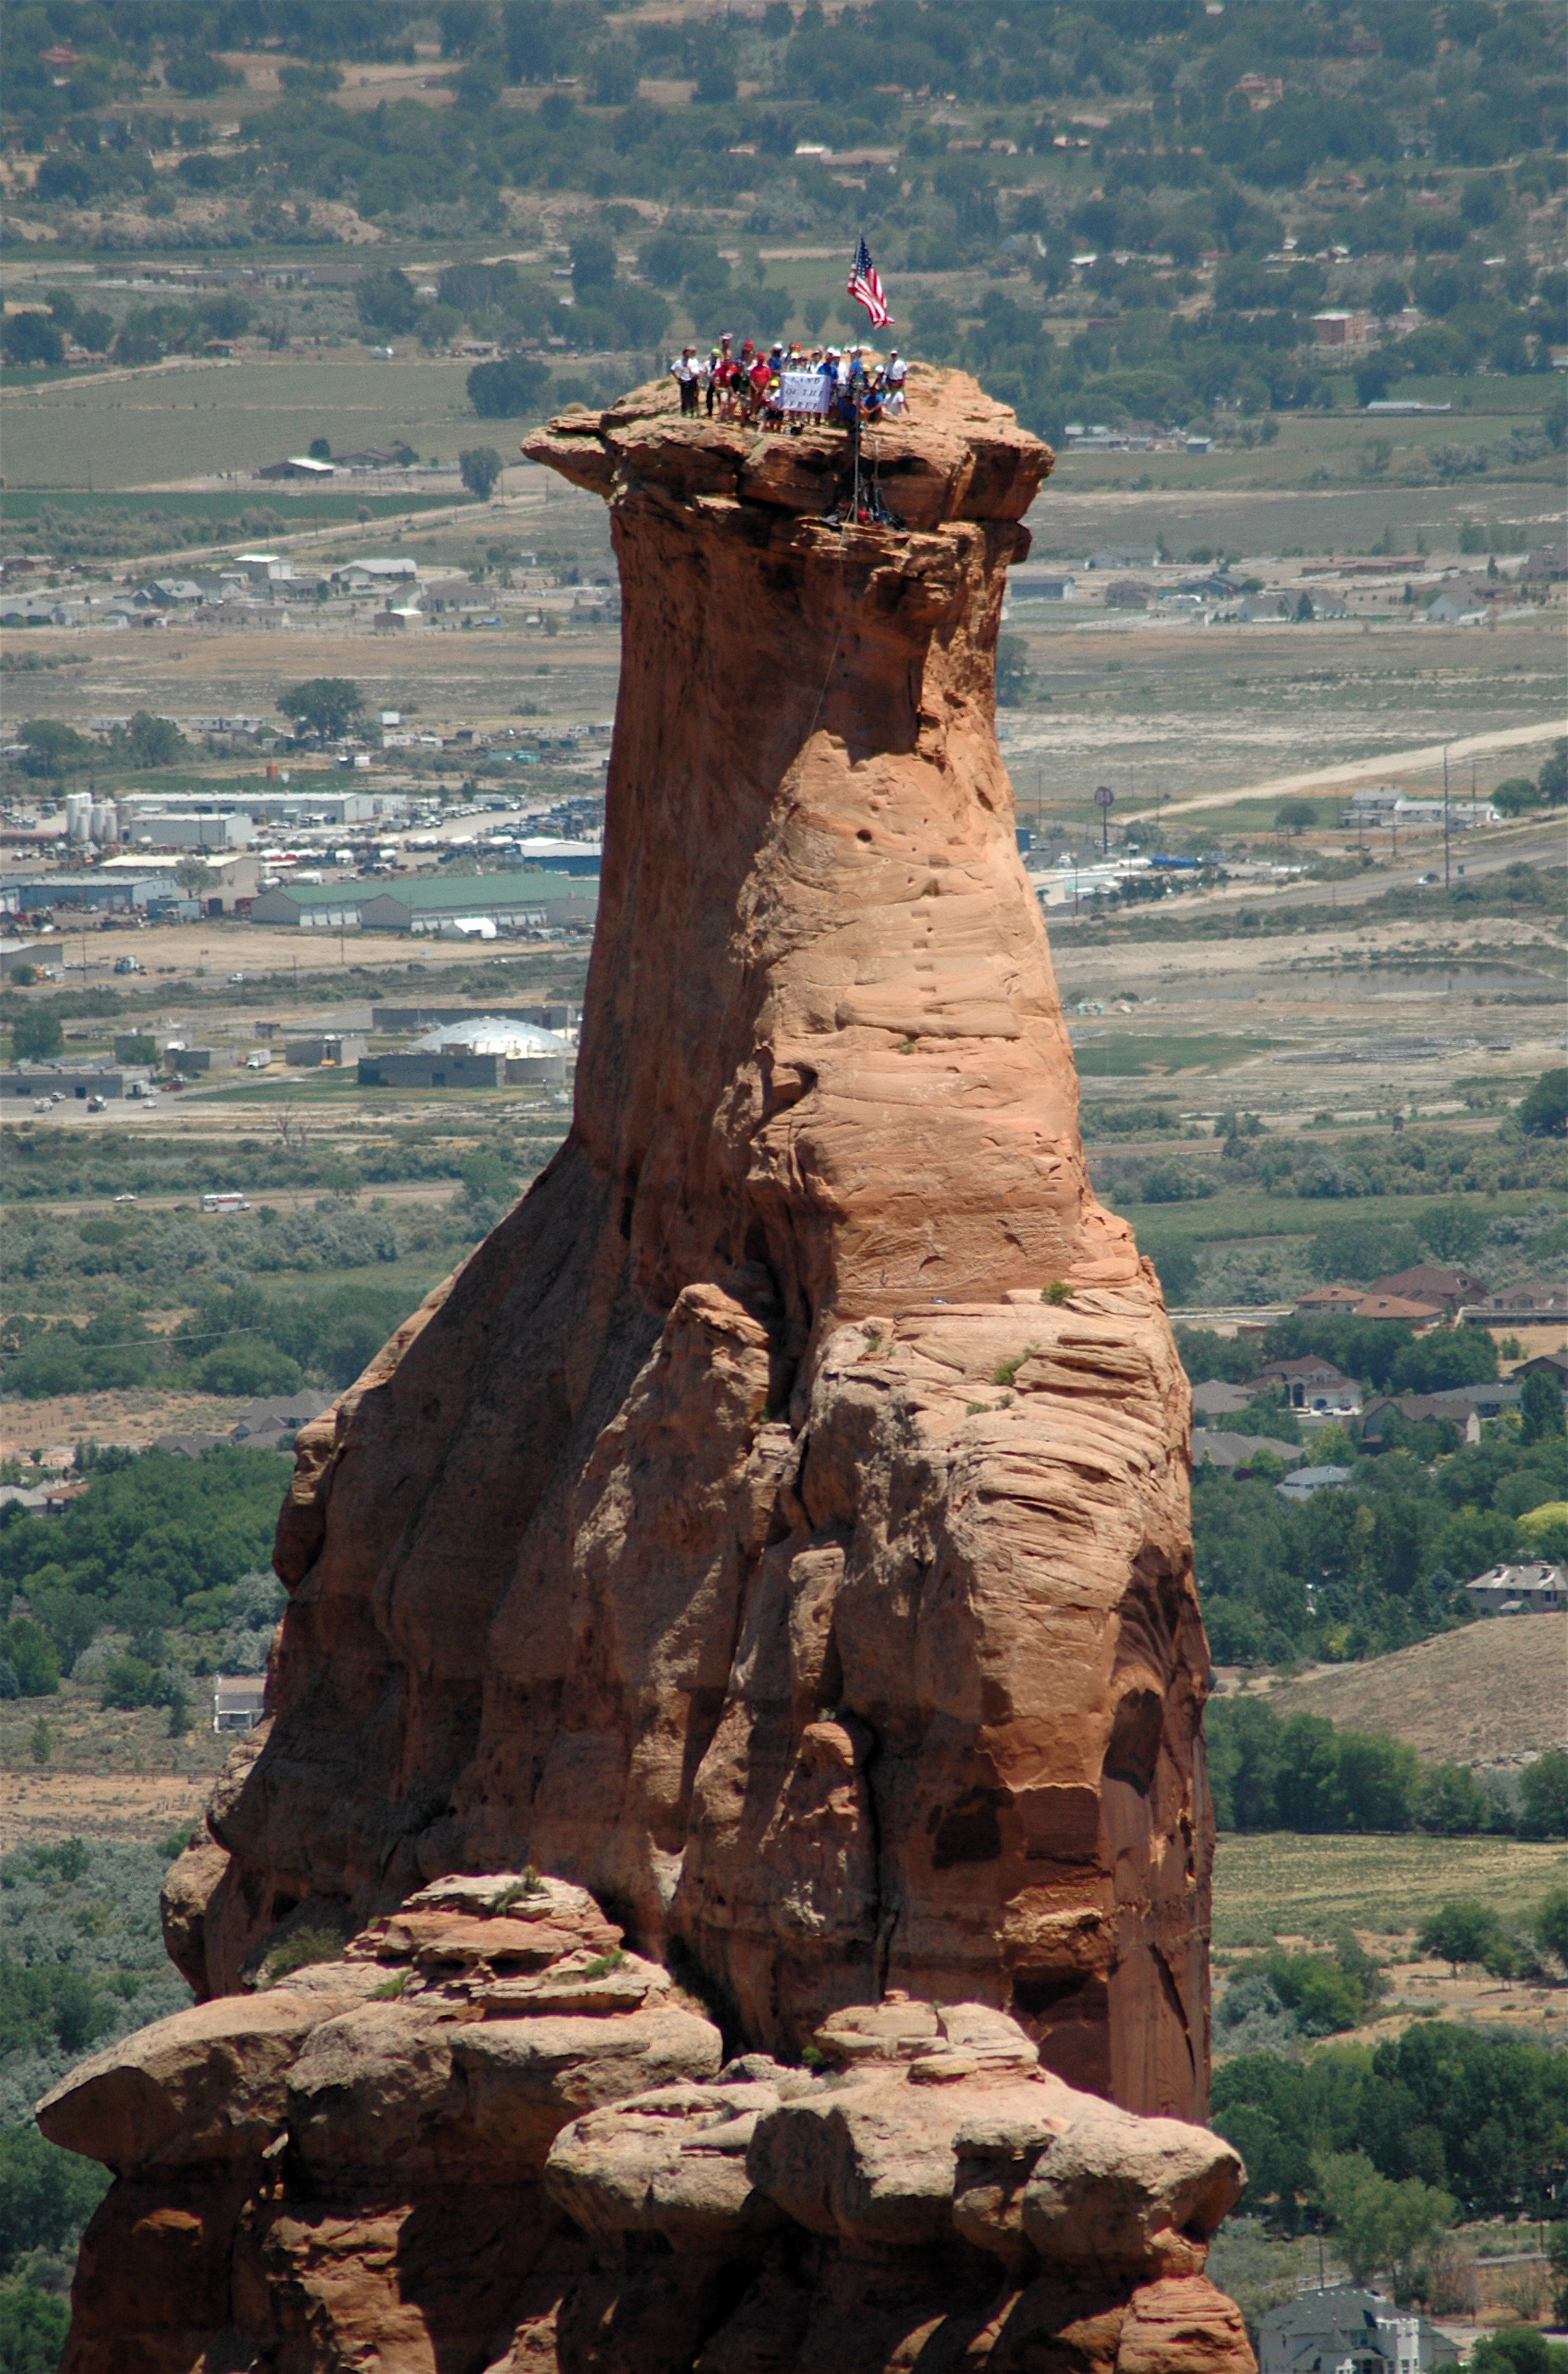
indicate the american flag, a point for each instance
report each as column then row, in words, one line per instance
column 865, row 288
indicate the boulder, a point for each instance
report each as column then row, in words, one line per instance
column 204, row 2085
column 671, row 2162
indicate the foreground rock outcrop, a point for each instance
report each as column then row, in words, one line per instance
column 778, row 1528
column 475, row 2140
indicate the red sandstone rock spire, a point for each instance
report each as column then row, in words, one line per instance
column 778, row 1526
column 740, row 1531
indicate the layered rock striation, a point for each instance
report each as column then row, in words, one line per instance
column 778, row 1526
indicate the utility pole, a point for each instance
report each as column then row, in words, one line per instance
column 1446, row 841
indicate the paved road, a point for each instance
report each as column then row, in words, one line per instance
column 1478, row 854
column 1423, row 760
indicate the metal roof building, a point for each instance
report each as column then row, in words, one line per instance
column 491, row 1034
column 434, row 902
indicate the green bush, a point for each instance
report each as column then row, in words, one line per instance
column 300, row 1951
column 130, row 1683
column 33, row 2327
column 29, row 1652
column 245, row 1368
column 1323, row 1999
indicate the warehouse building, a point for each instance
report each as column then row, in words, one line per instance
column 481, row 905
column 477, row 906
column 111, row 887
column 487, row 1050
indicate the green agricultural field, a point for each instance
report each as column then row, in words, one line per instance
column 314, row 508
column 1238, row 1217
column 1273, row 1883
column 1129, row 1057
column 152, row 429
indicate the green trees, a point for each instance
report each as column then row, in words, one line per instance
column 1540, row 1409
column 385, row 301
column 1517, row 2349
column 480, row 467
column 1011, row 671
column 53, row 748
column 1381, row 2223
column 36, row 1035
column 1543, row 1797
column 1551, row 1925
column 30, row 1654
column 1478, row 2116
column 1542, row 1111
column 143, row 1541
column 512, row 389
column 32, row 337
column 147, row 741
column 326, row 705
column 1304, row 1775
column 1462, row 1930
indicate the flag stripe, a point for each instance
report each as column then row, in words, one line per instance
column 865, row 287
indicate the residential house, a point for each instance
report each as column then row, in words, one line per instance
column 1418, row 1315
column 1233, row 1451
column 1338, row 328
column 1343, row 2330
column 1313, row 1383
column 1533, row 1302
column 1454, row 610
column 375, row 576
column 238, row 1701
column 1330, row 1301
column 1486, row 1401
column 1455, row 1411
column 1546, row 1364
column 1218, row 1399
column 1536, row 1589
column 168, row 593
column 377, row 457
column 1427, row 1283
column 1308, row 1480
column 264, row 1423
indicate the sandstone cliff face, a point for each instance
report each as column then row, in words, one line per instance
column 778, row 1526
column 474, row 2141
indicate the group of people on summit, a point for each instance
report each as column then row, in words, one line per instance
column 782, row 386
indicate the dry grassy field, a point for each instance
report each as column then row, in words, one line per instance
column 1273, row 1883
column 1489, row 1694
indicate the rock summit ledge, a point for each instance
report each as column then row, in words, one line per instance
column 778, row 1528
column 954, row 453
